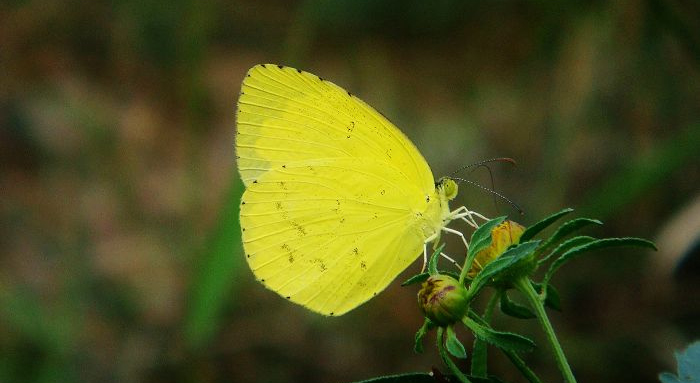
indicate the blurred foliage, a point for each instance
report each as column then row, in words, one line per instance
column 120, row 257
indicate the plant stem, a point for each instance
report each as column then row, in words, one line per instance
column 480, row 351
column 524, row 286
column 521, row 366
column 446, row 358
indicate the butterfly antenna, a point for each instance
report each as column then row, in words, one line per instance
column 497, row 194
column 484, row 162
column 493, row 185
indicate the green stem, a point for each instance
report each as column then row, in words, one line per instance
column 524, row 286
column 480, row 351
column 446, row 358
column 520, row 365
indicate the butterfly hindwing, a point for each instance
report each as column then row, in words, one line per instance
column 329, row 234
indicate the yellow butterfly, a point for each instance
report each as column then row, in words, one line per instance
column 338, row 201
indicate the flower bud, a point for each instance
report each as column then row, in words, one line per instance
column 502, row 236
column 443, row 300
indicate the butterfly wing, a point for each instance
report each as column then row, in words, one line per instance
column 286, row 115
column 332, row 190
column 330, row 234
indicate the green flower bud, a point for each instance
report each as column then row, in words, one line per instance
column 443, row 300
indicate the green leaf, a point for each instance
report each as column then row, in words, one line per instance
column 503, row 340
column 500, row 264
column 440, row 342
column 513, row 309
column 688, row 366
column 566, row 245
column 594, row 245
column 215, row 278
column 481, row 239
column 454, row 346
column 479, row 358
column 414, row 377
column 422, row 331
column 551, row 299
column 535, row 229
column 432, row 264
column 568, row 228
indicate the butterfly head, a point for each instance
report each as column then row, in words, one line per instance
column 448, row 187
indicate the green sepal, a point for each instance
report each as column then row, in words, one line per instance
column 594, row 245
column 503, row 340
column 535, row 229
column 481, row 239
column 432, row 263
column 454, row 346
column 513, row 309
column 501, row 264
column 420, row 334
column 566, row 245
column 566, row 229
column 418, row 278
column 422, row 277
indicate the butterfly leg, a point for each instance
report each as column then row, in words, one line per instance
column 467, row 216
column 451, row 260
column 425, row 250
column 459, row 233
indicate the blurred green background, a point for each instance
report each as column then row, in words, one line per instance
column 120, row 248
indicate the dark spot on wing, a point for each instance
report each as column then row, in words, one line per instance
column 288, row 297
column 278, row 205
column 382, row 192
column 280, row 66
column 255, row 181
column 289, row 251
column 363, row 265
column 356, row 251
column 299, row 228
column 242, row 202
column 298, row 70
column 331, row 313
column 284, row 166
column 263, row 65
